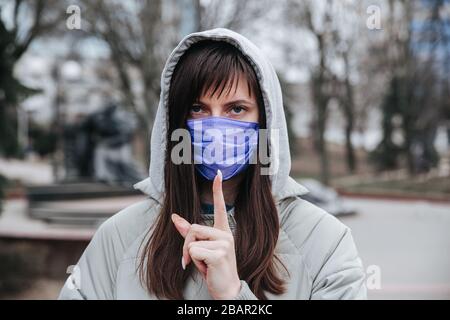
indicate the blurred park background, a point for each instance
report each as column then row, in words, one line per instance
column 367, row 96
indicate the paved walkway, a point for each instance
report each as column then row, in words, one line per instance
column 409, row 241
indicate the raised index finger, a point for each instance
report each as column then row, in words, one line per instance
column 220, row 211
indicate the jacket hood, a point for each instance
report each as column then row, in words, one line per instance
column 283, row 185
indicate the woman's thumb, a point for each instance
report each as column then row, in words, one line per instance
column 181, row 224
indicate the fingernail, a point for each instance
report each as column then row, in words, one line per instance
column 219, row 173
column 183, row 264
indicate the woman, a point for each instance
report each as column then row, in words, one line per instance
column 219, row 229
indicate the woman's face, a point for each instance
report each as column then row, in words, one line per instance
column 237, row 103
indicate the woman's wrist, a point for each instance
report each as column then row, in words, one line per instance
column 233, row 291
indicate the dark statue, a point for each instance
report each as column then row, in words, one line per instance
column 98, row 147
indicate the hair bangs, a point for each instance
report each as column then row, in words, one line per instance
column 222, row 67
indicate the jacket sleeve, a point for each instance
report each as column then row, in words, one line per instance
column 246, row 293
column 341, row 275
column 94, row 275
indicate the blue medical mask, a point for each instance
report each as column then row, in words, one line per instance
column 222, row 143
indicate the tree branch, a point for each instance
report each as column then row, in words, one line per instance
column 15, row 14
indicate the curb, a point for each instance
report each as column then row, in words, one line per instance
column 393, row 196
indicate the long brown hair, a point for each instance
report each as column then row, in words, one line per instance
column 204, row 66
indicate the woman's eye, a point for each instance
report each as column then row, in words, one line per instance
column 196, row 108
column 237, row 109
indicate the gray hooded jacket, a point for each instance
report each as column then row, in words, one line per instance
column 316, row 248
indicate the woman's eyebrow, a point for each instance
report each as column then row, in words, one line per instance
column 239, row 101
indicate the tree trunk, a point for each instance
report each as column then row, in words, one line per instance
column 349, row 110
column 321, row 98
column 322, row 148
column 350, row 151
column 321, row 103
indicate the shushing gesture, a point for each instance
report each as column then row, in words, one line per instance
column 211, row 249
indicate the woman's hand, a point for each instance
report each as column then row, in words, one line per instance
column 212, row 248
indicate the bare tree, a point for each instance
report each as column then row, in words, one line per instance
column 139, row 39
column 319, row 25
column 347, row 103
column 415, row 34
column 350, row 45
column 235, row 14
column 28, row 21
